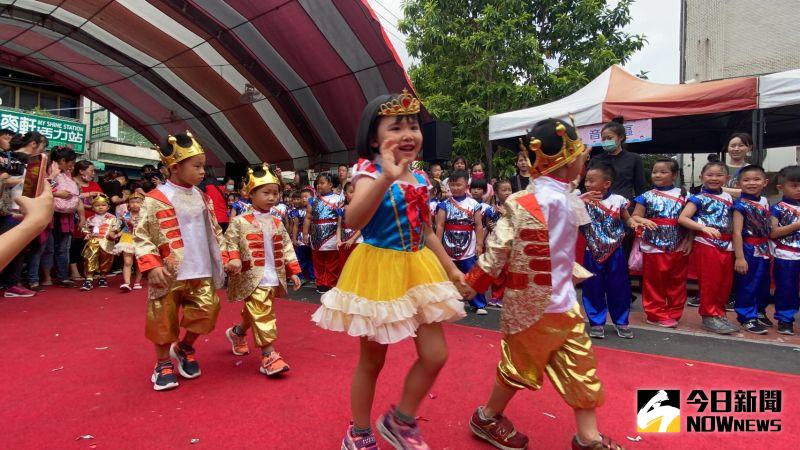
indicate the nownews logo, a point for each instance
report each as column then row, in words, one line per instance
column 659, row 411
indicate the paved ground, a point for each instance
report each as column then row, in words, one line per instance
column 773, row 355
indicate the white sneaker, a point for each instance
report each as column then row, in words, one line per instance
column 137, row 286
column 481, row 312
column 125, row 287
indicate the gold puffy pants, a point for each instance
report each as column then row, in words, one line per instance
column 556, row 345
column 95, row 259
column 259, row 314
column 200, row 305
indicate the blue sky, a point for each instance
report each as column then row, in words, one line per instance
column 658, row 20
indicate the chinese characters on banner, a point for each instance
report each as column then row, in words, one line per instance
column 58, row 131
column 635, row 131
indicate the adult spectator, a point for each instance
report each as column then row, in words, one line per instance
column 66, row 204
column 83, row 175
column 523, row 176
column 301, row 180
column 112, row 184
column 211, row 188
column 5, row 139
column 228, row 186
column 164, row 171
column 342, row 176
column 460, row 163
column 151, row 174
column 738, row 149
column 476, row 172
column 629, row 181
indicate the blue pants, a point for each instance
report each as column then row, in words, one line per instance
column 465, row 265
column 752, row 289
column 787, row 281
column 609, row 290
column 303, row 253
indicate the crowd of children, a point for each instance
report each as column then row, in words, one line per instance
column 439, row 242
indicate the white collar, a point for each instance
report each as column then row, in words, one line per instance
column 181, row 188
column 549, row 182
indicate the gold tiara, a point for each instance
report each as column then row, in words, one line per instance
column 404, row 105
column 100, row 198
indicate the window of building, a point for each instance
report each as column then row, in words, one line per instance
column 48, row 102
column 8, row 95
column 68, row 107
column 28, row 99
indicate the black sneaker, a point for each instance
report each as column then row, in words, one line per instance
column 764, row 320
column 163, row 377
column 786, row 328
column 67, row 283
column 102, row 282
column 693, row 301
column 187, row 365
column 624, row 331
column 730, row 305
column 87, row 285
column 597, row 332
column 754, row 327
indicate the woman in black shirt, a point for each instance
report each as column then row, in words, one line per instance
column 629, row 181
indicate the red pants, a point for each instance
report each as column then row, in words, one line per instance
column 344, row 253
column 664, row 285
column 326, row 267
column 499, row 285
column 715, row 276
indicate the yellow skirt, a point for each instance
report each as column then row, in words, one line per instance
column 125, row 244
column 386, row 294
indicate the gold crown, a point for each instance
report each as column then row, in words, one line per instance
column 100, row 198
column 268, row 178
column 180, row 153
column 136, row 195
column 544, row 164
column 404, row 105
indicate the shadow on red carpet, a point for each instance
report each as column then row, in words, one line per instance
column 78, row 364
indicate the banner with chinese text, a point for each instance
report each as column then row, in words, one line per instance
column 58, row 131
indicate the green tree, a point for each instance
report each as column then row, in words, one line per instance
column 476, row 58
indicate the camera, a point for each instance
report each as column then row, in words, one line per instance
column 13, row 163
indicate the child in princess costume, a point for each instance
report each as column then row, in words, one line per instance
column 397, row 284
column 178, row 225
column 259, row 256
column 101, row 232
column 544, row 330
column 125, row 245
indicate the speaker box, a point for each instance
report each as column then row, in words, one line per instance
column 437, row 141
column 237, row 171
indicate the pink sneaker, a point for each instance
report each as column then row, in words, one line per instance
column 668, row 323
column 18, row 291
column 400, row 435
column 352, row 442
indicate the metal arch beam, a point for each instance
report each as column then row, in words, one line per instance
column 274, row 86
column 58, row 26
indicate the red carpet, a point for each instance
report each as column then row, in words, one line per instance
column 102, row 387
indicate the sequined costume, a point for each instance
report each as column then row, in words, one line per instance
column 752, row 288
column 324, row 216
column 347, row 233
column 262, row 244
column 391, row 283
column 608, row 292
column 281, row 211
column 544, row 331
column 714, row 256
column 297, row 216
column 786, row 265
column 665, row 269
column 458, row 238
column 98, row 253
column 178, row 224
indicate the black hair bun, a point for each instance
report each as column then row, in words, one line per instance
column 618, row 119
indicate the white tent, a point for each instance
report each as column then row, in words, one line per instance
column 779, row 89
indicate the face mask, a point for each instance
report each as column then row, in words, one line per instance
column 229, row 188
column 609, row 146
column 477, row 176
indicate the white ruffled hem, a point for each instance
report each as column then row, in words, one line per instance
column 388, row 322
column 123, row 248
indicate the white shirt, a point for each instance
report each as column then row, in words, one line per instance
column 192, row 214
column 562, row 228
column 270, row 278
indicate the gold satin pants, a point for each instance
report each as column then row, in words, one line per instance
column 556, row 345
column 200, row 305
column 95, row 259
column 259, row 314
